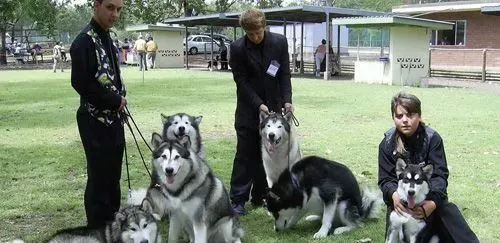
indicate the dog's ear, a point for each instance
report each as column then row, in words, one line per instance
column 185, row 141
column 263, row 115
column 156, row 140
column 428, row 170
column 197, row 119
column 400, row 166
column 120, row 217
column 164, row 118
column 147, row 207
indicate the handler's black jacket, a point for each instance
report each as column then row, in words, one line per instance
column 424, row 146
column 84, row 68
column 249, row 63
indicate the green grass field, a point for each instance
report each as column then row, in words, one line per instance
column 42, row 164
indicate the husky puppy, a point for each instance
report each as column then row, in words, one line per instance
column 180, row 124
column 132, row 224
column 280, row 145
column 319, row 186
column 413, row 187
column 195, row 200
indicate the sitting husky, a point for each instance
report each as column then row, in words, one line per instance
column 194, row 198
column 132, row 224
column 413, row 187
column 319, row 186
column 280, row 145
column 180, row 124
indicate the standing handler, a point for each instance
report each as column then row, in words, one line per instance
column 96, row 77
column 261, row 70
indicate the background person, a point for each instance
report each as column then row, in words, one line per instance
column 99, row 116
column 56, row 55
column 319, row 56
column 140, row 49
column 151, row 48
column 415, row 142
column 261, row 70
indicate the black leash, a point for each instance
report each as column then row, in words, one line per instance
column 126, row 114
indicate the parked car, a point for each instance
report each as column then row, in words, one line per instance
column 220, row 37
column 201, row 44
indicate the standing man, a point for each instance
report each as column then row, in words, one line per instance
column 261, row 70
column 140, row 49
column 56, row 54
column 151, row 48
column 97, row 80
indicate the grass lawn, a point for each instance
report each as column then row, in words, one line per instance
column 43, row 169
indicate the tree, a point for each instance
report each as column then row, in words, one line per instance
column 72, row 19
column 222, row 6
column 153, row 11
column 38, row 14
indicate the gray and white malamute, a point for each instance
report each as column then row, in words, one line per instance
column 413, row 187
column 180, row 124
column 317, row 186
column 195, row 200
column 280, row 145
column 132, row 224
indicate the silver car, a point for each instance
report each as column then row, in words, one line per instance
column 201, row 44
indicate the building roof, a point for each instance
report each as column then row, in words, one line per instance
column 459, row 6
column 491, row 10
column 154, row 27
column 275, row 16
column 388, row 21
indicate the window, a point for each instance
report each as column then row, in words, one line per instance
column 455, row 36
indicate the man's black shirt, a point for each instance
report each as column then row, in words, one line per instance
column 84, row 68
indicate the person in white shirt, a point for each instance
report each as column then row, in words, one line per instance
column 56, row 54
column 319, row 56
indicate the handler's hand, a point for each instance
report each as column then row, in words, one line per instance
column 289, row 107
column 263, row 108
column 427, row 205
column 398, row 206
column 123, row 104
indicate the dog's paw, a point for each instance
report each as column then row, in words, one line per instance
column 312, row 218
column 320, row 234
column 341, row 230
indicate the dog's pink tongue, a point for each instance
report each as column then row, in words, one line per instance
column 411, row 202
column 170, row 179
column 271, row 147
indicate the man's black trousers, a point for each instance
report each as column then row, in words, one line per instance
column 248, row 170
column 104, row 152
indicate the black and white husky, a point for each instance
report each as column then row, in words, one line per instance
column 280, row 145
column 317, row 186
column 132, row 224
column 184, row 188
column 413, row 187
column 180, row 124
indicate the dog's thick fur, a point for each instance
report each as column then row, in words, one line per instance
column 180, row 124
column 413, row 187
column 132, row 224
column 184, row 188
column 317, row 186
column 280, row 145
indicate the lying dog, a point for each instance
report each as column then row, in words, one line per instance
column 132, row 224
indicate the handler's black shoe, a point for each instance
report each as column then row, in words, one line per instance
column 239, row 209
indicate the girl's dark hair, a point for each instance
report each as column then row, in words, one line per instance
column 323, row 41
column 408, row 101
column 412, row 105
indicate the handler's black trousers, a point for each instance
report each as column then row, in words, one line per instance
column 104, row 152
column 248, row 169
column 448, row 223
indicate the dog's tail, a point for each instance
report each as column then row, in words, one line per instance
column 372, row 200
column 136, row 196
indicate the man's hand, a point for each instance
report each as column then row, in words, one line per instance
column 427, row 205
column 123, row 104
column 289, row 107
column 398, row 206
column 263, row 108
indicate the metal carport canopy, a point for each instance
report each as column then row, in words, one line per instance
column 307, row 14
column 378, row 21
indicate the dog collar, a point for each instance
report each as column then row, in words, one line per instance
column 295, row 181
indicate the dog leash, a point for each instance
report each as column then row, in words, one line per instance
column 127, row 113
